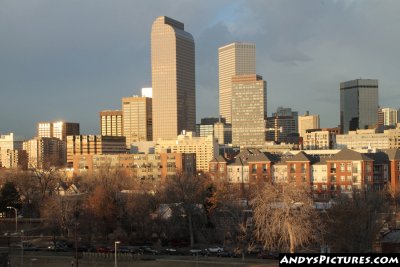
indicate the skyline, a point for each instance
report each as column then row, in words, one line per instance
column 70, row 60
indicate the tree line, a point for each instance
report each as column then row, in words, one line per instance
column 186, row 210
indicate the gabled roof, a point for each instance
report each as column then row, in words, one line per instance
column 219, row 159
column 348, row 154
column 393, row 153
column 260, row 157
column 379, row 157
column 301, row 156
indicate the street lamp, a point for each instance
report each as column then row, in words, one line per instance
column 16, row 217
column 115, row 252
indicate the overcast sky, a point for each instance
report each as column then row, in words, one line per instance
column 69, row 59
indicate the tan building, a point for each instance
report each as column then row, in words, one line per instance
column 10, row 141
column 223, row 133
column 13, row 159
column 94, row 145
column 144, row 167
column 390, row 116
column 369, row 138
column 137, row 119
column 44, row 152
column 58, row 129
column 173, row 79
column 307, row 122
column 111, row 123
column 319, row 140
column 249, row 110
column 233, row 59
column 205, row 148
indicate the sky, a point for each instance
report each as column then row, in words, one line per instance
column 69, row 59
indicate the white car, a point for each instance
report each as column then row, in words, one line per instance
column 215, row 249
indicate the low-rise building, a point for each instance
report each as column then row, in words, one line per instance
column 144, row 167
column 94, row 145
column 205, row 148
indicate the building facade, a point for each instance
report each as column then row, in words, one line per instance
column 143, row 167
column 205, row 148
column 111, row 123
column 329, row 173
column 94, row 145
column 10, row 141
column 322, row 139
column 44, row 152
column 358, row 104
column 173, row 78
column 249, row 110
column 58, row 129
column 137, row 119
column 233, row 59
column 307, row 122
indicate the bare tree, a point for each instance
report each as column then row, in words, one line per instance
column 284, row 217
column 190, row 192
column 354, row 222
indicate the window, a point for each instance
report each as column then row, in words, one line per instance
column 254, row 168
column 292, row 167
column 342, row 167
column 349, row 167
column 349, row 178
column 264, row 166
column 342, row 178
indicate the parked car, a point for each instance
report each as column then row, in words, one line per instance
column 149, row 251
column 171, row 251
column 197, row 251
column 215, row 249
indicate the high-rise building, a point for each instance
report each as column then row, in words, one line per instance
column 249, row 110
column 44, row 152
column 358, row 104
column 233, row 59
column 282, row 124
column 307, row 122
column 173, row 78
column 111, row 123
column 390, row 116
column 58, row 129
column 9, row 141
column 137, row 119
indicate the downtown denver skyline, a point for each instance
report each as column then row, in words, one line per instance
column 72, row 59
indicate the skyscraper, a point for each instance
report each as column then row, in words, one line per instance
column 249, row 110
column 137, row 119
column 58, row 129
column 358, row 104
column 233, row 59
column 173, row 78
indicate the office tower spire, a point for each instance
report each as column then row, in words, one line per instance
column 173, row 78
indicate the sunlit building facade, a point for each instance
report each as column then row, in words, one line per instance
column 173, row 78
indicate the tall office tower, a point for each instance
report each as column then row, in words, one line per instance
column 137, row 119
column 173, row 78
column 307, row 122
column 249, row 110
column 233, row 59
column 58, row 129
column 390, row 116
column 358, row 104
column 111, row 123
column 282, row 125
